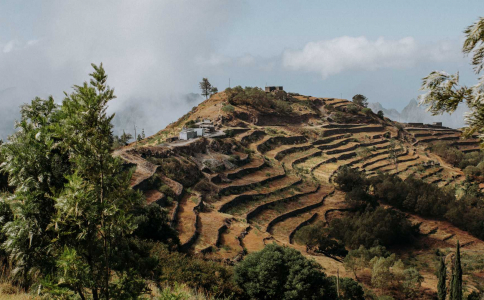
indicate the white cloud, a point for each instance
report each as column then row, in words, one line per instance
column 9, row 46
column 330, row 57
column 149, row 49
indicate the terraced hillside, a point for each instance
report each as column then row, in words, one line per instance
column 273, row 171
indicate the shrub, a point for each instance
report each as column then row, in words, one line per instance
column 228, row 108
column 352, row 109
column 380, row 114
column 282, row 273
column 282, row 107
column 366, row 110
column 315, row 237
column 347, row 179
column 190, row 124
column 339, row 117
column 195, row 273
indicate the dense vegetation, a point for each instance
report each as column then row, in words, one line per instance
column 73, row 226
column 374, row 226
column 472, row 163
column 416, row 196
column 259, row 99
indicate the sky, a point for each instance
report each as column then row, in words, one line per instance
column 155, row 52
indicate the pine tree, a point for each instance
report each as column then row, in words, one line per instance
column 442, row 276
column 206, row 87
column 94, row 219
column 456, row 283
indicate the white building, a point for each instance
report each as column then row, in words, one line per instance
column 200, row 131
column 188, row 133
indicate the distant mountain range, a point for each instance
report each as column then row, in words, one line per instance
column 414, row 113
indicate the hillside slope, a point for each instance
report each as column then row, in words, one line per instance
column 271, row 173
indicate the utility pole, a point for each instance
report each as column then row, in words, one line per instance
column 135, row 137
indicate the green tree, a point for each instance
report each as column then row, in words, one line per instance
column 443, row 93
column 380, row 114
column 94, row 214
column 442, row 276
column 37, row 165
column 350, row 290
column 360, row 258
column 412, row 280
column 213, row 90
column 360, row 100
column 381, row 275
column 206, row 87
column 282, row 273
column 394, row 150
column 316, row 238
column 456, row 282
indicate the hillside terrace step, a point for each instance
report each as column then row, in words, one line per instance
column 406, row 167
column 336, row 125
column 471, row 150
column 256, row 164
column 429, row 129
column 331, row 132
column 431, row 173
column 434, row 180
column 275, row 187
column 230, row 240
column 275, row 141
column 211, row 224
column 154, row 196
column 280, row 200
column 341, row 104
column 316, row 201
column 441, row 138
column 465, row 143
column 306, row 222
column 374, row 154
column 250, row 136
column 336, row 144
column 187, row 217
column 335, row 101
column 329, row 139
column 391, row 167
column 279, row 152
column 259, row 177
column 349, row 152
column 368, row 161
column 349, row 147
column 296, row 158
column 255, row 145
column 375, row 168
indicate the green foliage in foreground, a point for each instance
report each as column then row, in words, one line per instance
column 74, row 227
column 443, row 92
column 282, row 273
